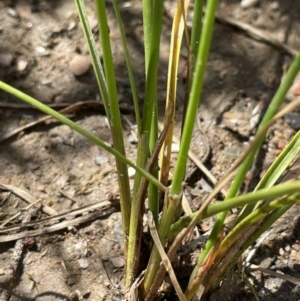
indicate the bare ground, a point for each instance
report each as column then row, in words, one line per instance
column 41, row 42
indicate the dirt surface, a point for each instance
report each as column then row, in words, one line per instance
column 43, row 53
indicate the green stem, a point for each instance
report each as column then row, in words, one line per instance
column 173, row 198
column 232, row 254
column 153, row 203
column 196, row 26
column 196, row 34
column 237, row 240
column 255, row 216
column 98, row 69
column 129, row 67
column 194, row 101
column 235, row 202
column 115, row 119
column 136, row 228
column 273, row 108
column 147, row 26
column 239, row 178
column 153, row 12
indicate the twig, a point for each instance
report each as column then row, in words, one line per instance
column 19, row 245
column 85, row 103
column 27, row 197
column 164, row 257
column 133, row 294
column 188, row 210
column 18, row 214
column 102, row 205
column 274, row 274
column 67, row 109
column 53, row 228
column 257, row 34
column 67, row 196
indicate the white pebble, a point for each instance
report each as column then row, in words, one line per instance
column 175, row 148
column 83, row 263
column 248, row 3
column 131, row 172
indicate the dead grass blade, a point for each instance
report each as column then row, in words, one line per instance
column 177, row 31
column 164, row 257
column 24, row 195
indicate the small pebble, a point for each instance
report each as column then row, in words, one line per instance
column 272, row 284
column 72, row 229
column 6, row 59
column 118, row 262
column 296, row 89
column 71, row 25
column 41, row 51
column 100, row 160
column 21, row 65
column 131, row 172
column 274, row 5
column 254, row 121
column 248, row 3
column 262, row 293
column 83, row 263
column 23, row 11
column 295, row 255
column 28, row 261
column 266, row 263
column 175, row 148
column 11, row 12
column 80, row 245
column 79, row 65
column 127, row 4
column 132, row 139
column 293, row 119
column 195, row 191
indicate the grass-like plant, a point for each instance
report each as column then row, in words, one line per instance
column 259, row 209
